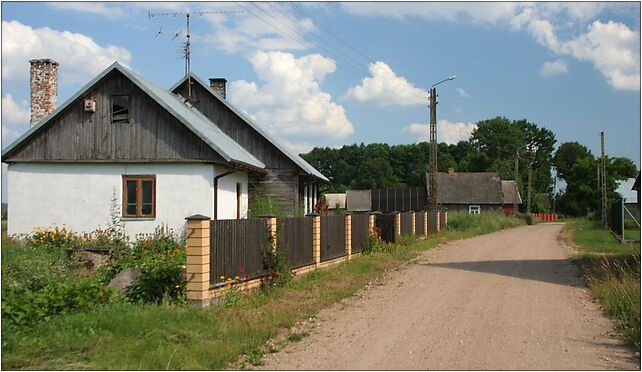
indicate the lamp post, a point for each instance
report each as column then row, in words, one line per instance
column 433, row 143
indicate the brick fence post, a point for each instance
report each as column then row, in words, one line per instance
column 271, row 227
column 425, row 223
column 414, row 224
column 348, row 229
column 198, row 260
column 397, row 223
column 445, row 218
column 372, row 219
column 437, row 215
column 316, row 238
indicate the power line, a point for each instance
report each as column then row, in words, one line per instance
column 385, row 85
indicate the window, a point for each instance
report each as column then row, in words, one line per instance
column 139, row 196
column 474, row 209
column 120, row 109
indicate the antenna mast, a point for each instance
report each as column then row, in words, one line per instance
column 187, row 51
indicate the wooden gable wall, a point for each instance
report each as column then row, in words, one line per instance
column 237, row 129
column 152, row 133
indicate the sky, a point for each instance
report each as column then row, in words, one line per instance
column 330, row 73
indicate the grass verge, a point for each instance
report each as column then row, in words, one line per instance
column 612, row 273
column 152, row 337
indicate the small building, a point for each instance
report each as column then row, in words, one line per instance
column 336, row 201
column 122, row 143
column 473, row 192
column 629, row 191
column 511, row 197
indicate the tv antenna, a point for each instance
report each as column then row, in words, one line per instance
column 187, row 50
column 174, row 34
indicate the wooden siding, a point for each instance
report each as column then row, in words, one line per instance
column 152, row 133
column 237, row 129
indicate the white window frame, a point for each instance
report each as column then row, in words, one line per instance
column 474, row 209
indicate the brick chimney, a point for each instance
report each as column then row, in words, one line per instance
column 44, row 88
column 218, row 85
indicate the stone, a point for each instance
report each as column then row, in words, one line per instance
column 93, row 259
column 125, row 279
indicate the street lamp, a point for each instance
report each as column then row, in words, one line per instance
column 433, row 143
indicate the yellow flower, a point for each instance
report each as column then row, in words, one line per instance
column 229, row 279
column 177, row 286
column 222, row 277
column 236, row 278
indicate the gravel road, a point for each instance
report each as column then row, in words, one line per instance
column 507, row 300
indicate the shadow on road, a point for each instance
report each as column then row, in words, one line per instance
column 561, row 271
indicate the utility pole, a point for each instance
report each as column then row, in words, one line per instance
column 603, row 179
column 433, row 149
column 528, row 206
column 516, row 203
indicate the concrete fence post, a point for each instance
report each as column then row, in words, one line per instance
column 414, row 224
column 348, row 228
column 198, row 260
column 397, row 223
column 437, row 215
column 425, row 223
column 445, row 218
column 316, row 238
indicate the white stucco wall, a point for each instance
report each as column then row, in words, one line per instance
column 79, row 195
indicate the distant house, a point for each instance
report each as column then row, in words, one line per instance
column 511, row 197
column 474, row 192
column 123, row 141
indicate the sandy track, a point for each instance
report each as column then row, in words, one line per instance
column 507, row 300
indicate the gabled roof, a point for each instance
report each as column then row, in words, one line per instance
column 468, row 188
column 511, row 193
column 189, row 116
column 304, row 165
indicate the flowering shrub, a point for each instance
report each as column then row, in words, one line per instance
column 52, row 238
column 233, row 295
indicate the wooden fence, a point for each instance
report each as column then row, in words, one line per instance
column 406, row 223
column 419, row 223
column 386, row 226
column 360, row 231
column 295, row 238
column 333, row 237
column 237, row 244
column 225, row 248
column 398, row 199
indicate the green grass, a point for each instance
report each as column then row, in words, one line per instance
column 612, row 272
column 151, row 337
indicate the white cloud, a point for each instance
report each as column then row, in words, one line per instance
column 276, row 30
column 290, row 102
column 462, row 93
column 13, row 113
column 556, row 67
column 611, row 47
column 80, row 57
column 103, row 9
column 455, row 11
column 448, row 132
column 385, row 88
column 15, row 118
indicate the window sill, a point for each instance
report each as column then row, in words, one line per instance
column 127, row 219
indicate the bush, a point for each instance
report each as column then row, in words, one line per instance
column 480, row 223
column 263, row 205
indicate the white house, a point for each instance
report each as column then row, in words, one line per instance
column 122, row 142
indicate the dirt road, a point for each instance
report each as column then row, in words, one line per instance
column 508, row 300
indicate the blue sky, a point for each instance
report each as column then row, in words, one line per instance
column 328, row 74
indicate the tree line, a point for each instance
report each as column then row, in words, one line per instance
column 492, row 147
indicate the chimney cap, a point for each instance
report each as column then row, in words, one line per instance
column 43, row 60
column 218, row 80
